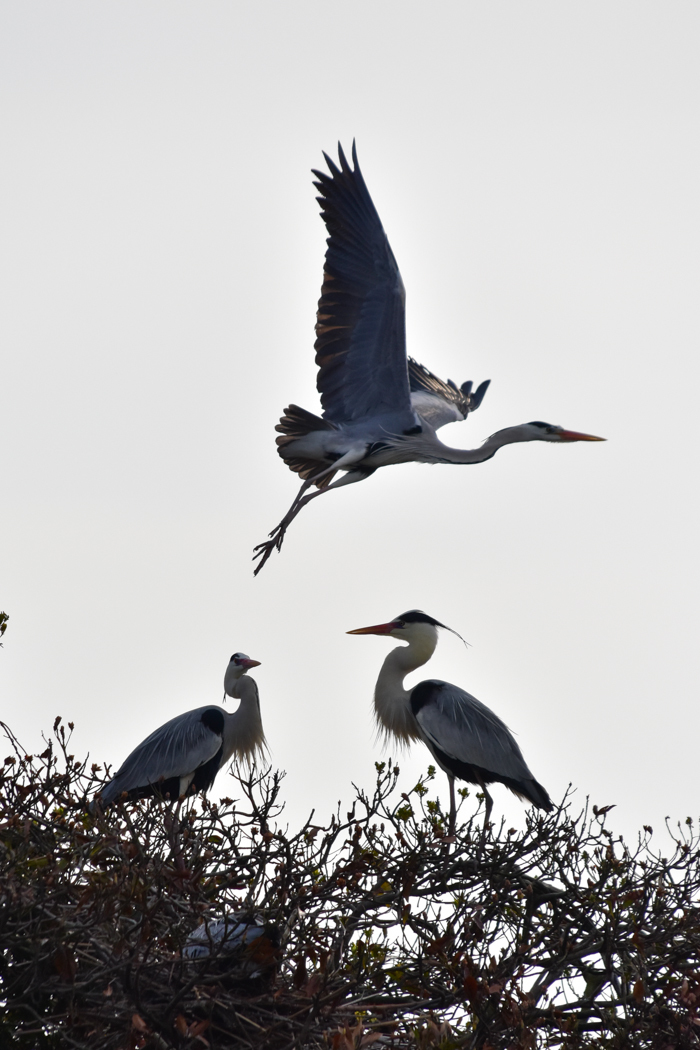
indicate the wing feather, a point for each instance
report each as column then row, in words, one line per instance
column 467, row 731
column 435, row 401
column 175, row 749
column 438, row 402
column 361, row 339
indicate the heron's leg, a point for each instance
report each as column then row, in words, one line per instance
column 453, row 807
column 488, row 806
column 305, row 486
column 277, row 533
column 264, row 550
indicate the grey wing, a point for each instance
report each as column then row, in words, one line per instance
column 468, row 731
column 439, row 403
column 175, row 749
column 227, row 931
column 361, row 338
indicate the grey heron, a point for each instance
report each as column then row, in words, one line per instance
column 379, row 407
column 186, row 753
column 467, row 740
column 243, row 944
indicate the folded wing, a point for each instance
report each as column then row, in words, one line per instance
column 471, row 742
column 176, row 749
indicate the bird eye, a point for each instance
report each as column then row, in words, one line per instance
column 400, row 623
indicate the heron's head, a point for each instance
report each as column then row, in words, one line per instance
column 414, row 627
column 237, row 666
column 538, row 431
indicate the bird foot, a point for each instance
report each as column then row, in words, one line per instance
column 264, row 550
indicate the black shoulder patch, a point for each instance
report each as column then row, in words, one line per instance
column 424, row 693
column 213, row 719
column 417, row 429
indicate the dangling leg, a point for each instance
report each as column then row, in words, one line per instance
column 277, row 533
column 305, row 486
column 453, row 808
column 264, row 550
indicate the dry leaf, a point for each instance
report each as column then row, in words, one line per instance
column 65, row 964
column 138, row 1023
column 313, row 985
column 197, row 1027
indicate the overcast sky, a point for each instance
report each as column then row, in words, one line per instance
column 536, row 167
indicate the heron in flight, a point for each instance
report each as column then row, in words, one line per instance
column 467, row 740
column 184, row 755
column 379, row 407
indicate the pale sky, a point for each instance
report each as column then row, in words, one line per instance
column 536, row 168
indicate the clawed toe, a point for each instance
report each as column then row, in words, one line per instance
column 265, row 549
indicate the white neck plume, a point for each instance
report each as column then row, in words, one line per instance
column 243, row 729
column 392, row 703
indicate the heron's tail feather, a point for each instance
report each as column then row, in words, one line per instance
column 296, row 423
column 533, row 791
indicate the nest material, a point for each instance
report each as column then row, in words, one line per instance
column 369, row 929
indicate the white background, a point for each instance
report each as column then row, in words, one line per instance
column 536, row 169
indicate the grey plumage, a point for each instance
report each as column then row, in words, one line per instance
column 361, row 336
column 439, row 403
column 242, row 945
column 468, row 741
column 176, row 749
column 379, row 407
column 187, row 752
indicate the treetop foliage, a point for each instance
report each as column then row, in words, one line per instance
column 370, row 927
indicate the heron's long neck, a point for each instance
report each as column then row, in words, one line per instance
column 392, row 703
column 243, row 730
column 445, row 454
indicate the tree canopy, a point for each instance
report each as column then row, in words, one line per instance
column 371, row 926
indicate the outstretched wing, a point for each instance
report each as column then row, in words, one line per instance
column 361, row 338
column 175, row 749
column 439, row 403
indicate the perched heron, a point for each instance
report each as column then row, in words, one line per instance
column 242, row 945
column 465, row 737
column 379, row 407
column 186, row 753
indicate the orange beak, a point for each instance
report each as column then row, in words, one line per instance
column 380, row 628
column 573, row 435
column 249, row 663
